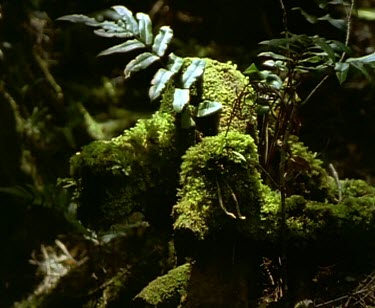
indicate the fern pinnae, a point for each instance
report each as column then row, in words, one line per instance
column 141, row 62
column 158, row 83
column 123, row 47
column 162, row 40
column 128, row 18
column 193, row 72
column 145, row 28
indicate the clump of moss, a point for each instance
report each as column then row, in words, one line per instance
column 128, row 173
column 166, row 291
column 356, row 188
column 220, row 187
column 221, row 82
column 306, row 175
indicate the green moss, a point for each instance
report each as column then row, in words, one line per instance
column 222, row 82
column 356, row 188
column 219, row 185
column 128, row 173
column 312, row 220
column 167, row 290
column 306, row 175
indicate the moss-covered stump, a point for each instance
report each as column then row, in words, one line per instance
column 137, row 171
column 218, row 282
column 223, row 83
column 166, row 291
column 220, row 188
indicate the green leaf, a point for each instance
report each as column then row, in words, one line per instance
column 159, row 82
column 274, row 81
column 325, row 47
column 252, row 69
column 365, row 13
column 337, row 23
column 82, row 19
column 273, row 55
column 174, row 63
column 310, row 18
column 145, row 28
column 193, row 72
column 162, row 40
column 181, row 98
column 128, row 18
column 186, row 119
column 208, row 108
column 124, row 47
column 261, row 110
column 341, row 70
column 362, row 68
column 368, row 59
column 106, row 28
column 141, row 62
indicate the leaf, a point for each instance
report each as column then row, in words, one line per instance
column 186, row 119
column 208, row 108
column 127, row 16
column 141, row 62
column 325, row 47
column 145, row 28
column 252, row 69
column 82, row 19
column 181, row 98
column 124, row 47
column 341, row 70
column 193, row 72
column 337, row 23
column 362, row 68
column 365, row 13
column 112, row 29
column 273, row 55
column 174, row 63
column 368, row 59
column 159, row 82
column 310, row 18
column 162, row 40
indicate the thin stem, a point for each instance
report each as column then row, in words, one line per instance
column 348, row 29
column 315, row 89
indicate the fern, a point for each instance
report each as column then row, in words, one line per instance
column 138, row 34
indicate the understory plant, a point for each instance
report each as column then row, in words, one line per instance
column 235, row 184
column 137, row 31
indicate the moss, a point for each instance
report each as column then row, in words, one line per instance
column 356, row 188
column 306, row 175
column 128, row 173
column 167, row 290
column 312, row 220
column 222, row 82
column 218, row 175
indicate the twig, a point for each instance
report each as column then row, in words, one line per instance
column 348, row 28
column 337, row 180
column 315, row 89
column 240, row 216
column 221, row 201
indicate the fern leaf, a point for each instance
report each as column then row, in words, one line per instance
column 162, row 40
column 82, row 19
column 145, row 28
column 193, row 72
column 124, row 47
column 208, row 108
column 141, row 62
column 174, row 63
column 159, row 82
column 128, row 18
column 181, row 98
